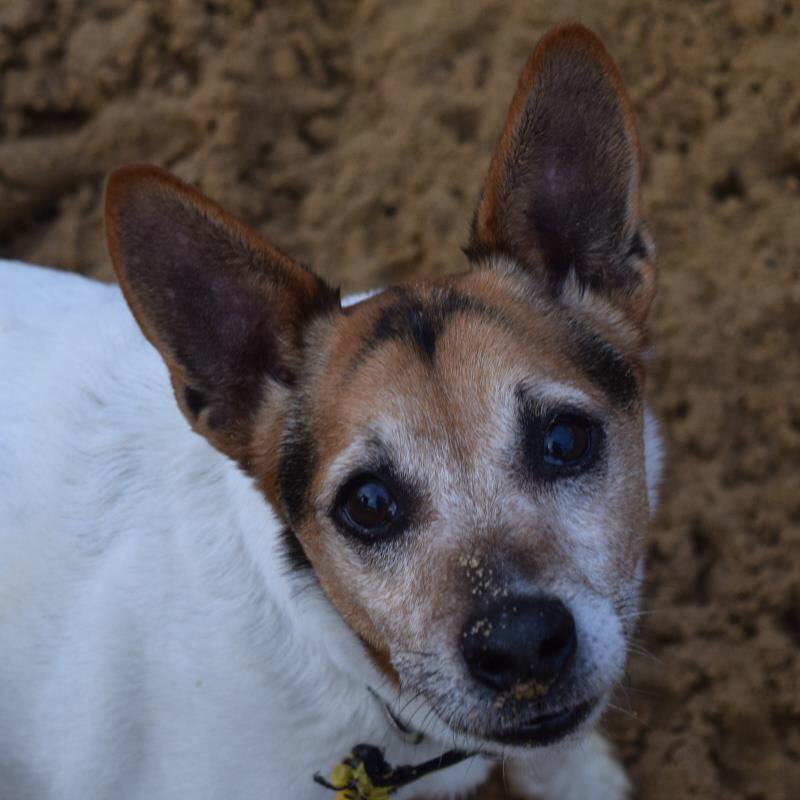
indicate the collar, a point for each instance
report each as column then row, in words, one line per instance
column 364, row 774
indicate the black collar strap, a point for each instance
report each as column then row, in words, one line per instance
column 364, row 773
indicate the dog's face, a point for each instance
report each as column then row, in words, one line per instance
column 459, row 463
column 468, row 488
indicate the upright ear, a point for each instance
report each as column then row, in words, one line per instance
column 562, row 194
column 225, row 309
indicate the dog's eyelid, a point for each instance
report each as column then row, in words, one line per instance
column 365, row 452
column 384, row 470
column 549, row 394
column 548, row 407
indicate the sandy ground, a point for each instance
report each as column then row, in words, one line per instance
column 357, row 137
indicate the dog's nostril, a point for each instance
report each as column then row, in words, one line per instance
column 522, row 641
column 560, row 644
column 491, row 668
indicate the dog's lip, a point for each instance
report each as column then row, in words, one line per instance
column 546, row 728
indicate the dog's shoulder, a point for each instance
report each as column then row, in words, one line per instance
column 29, row 293
column 77, row 379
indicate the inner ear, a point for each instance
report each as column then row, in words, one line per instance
column 226, row 310
column 562, row 194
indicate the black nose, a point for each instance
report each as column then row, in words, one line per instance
column 524, row 641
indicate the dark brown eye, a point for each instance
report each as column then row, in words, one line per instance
column 368, row 505
column 567, row 441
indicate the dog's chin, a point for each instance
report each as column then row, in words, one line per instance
column 542, row 729
column 538, row 729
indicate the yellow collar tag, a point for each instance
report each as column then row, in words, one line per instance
column 357, row 784
column 363, row 774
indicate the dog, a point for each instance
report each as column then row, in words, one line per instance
column 412, row 521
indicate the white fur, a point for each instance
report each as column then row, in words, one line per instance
column 152, row 643
column 586, row 771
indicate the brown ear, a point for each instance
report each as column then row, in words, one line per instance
column 562, row 195
column 225, row 308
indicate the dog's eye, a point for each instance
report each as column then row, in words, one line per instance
column 567, row 441
column 367, row 505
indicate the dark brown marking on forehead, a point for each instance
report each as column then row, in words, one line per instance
column 419, row 319
column 605, row 366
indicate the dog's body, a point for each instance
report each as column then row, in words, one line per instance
column 166, row 633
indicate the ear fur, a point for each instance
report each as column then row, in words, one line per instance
column 562, row 195
column 225, row 309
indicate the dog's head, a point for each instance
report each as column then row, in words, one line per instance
column 459, row 463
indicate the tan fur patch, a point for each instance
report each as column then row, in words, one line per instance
column 448, row 420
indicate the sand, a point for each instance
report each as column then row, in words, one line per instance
column 357, row 136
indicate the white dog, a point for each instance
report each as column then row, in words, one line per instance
column 414, row 522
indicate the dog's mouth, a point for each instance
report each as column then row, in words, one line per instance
column 544, row 729
column 537, row 731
